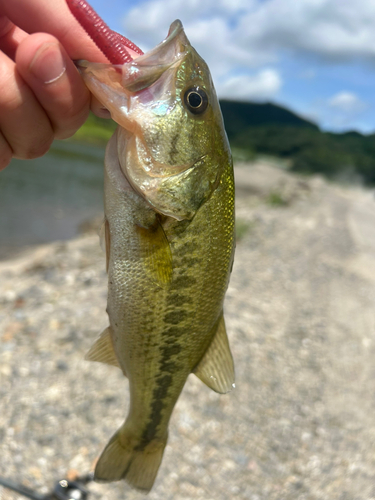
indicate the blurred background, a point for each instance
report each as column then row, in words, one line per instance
column 295, row 82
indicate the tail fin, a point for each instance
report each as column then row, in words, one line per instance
column 125, row 458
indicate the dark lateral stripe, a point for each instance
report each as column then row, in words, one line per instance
column 189, row 261
column 158, row 404
column 167, row 367
column 178, row 300
column 173, row 332
column 184, row 282
column 175, row 317
column 188, row 248
column 170, row 350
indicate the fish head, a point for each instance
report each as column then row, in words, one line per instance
column 171, row 142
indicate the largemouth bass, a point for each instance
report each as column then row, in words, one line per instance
column 169, row 233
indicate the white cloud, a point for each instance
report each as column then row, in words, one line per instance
column 342, row 111
column 214, row 42
column 210, row 26
column 346, row 102
column 255, row 31
column 247, row 37
column 262, row 86
column 212, row 32
column 150, row 19
column 329, row 28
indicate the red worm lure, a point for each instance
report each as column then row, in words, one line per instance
column 112, row 44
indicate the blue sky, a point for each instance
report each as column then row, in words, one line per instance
column 316, row 57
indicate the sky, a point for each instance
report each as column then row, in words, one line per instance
column 315, row 57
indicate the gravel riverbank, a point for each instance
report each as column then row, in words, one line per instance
column 301, row 320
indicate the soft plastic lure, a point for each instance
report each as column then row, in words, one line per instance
column 113, row 45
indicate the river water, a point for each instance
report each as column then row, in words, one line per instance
column 50, row 198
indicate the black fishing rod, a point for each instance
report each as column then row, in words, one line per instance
column 63, row 489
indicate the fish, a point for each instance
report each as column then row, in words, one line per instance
column 169, row 235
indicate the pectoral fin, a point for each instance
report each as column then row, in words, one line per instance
column 102, row 350
column 216, row 368
column 156, row 252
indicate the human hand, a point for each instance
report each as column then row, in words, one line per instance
column 42, row 96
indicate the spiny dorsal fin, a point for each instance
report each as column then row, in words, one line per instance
column 156, row 252
column 216, row 368
column 102, row 350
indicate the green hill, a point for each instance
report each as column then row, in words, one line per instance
column 269, row 129
column 238, row 116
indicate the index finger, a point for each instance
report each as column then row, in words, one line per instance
column 35, row 16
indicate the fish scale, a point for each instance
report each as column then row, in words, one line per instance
column 169, row 232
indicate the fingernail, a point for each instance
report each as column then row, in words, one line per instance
column 48, row 64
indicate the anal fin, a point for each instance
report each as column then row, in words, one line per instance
column 102, row 350
column 216, row 368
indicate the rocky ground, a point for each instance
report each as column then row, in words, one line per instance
column 301, row 321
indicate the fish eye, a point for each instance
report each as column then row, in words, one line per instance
column 196, row 100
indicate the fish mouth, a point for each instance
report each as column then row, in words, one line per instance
column 144, row 70
column 130, row 90
column 115, row 86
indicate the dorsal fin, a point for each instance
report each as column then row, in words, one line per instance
column 216, row 368
column 102, row 350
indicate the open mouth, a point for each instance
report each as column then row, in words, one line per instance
column 114, row 85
